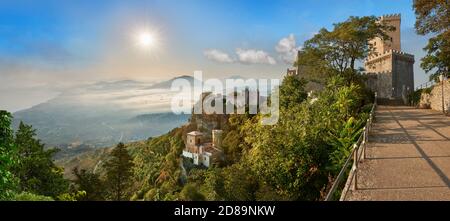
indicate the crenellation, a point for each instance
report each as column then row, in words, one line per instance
column 391, row 16
column 372, row 57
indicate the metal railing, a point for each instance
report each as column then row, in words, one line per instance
column 358, row 154
column 426, row 85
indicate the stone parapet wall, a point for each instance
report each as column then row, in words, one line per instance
column 436, row 96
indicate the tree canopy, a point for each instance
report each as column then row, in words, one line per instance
column 119, row 173
column 336, row 51
column 8, row 157
column 433, row 17
column 37, row 172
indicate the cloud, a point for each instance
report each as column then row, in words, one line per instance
column 254, row 57
column 287, row 49
column 218, row 56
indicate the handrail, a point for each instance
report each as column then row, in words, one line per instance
column 426, row 85
column 356, row 157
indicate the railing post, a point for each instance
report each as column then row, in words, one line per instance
column 363, row 144
column 367, row 130
column 355, row 167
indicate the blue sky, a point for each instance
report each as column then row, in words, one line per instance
column 47, row 46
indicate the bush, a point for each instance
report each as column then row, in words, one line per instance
column 24, row 196
column 190, row 193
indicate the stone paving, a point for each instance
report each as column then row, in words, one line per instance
column 408, row 157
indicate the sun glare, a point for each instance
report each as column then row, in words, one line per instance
column 146, row 40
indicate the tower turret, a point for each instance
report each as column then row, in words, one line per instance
column 394, row 41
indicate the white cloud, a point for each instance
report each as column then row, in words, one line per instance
column 218, row 56
column 287, row 49
column 254, row 57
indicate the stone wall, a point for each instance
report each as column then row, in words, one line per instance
column 380, row 63
column 394, row 74
column 384, row 85
column 425, row 101
column 380, row 83
column 403, row 78
column 436, row 96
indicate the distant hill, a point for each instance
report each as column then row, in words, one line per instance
column 102, row 114
column 168, row 84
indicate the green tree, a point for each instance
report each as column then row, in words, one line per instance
column 287, row 157
column 347, row 43
column 433, row 17
column 8, row 158
column 233, row 142
column 90, row 183
column 311, row 65
column 119, row 173
column 292, row 91
column 213, row 187
column 240, row 184
column 37, row 172
column 190, row 192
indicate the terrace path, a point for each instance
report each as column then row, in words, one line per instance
column 407, row 157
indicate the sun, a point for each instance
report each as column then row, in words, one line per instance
column 146, row 40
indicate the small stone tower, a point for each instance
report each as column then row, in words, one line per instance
column 390, row 71
column 194, row 140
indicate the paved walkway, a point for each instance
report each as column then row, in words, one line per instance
column 408, row 157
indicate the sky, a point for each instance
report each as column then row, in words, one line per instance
column 49, row 46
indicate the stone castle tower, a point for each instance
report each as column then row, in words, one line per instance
column 389, row 70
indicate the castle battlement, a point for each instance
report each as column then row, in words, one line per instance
column 402, row 53
column 373, row 58
column 390, row 17
column 378, row 72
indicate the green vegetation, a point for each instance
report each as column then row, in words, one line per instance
column 8, row 157
column 433, row 17
column 36, row 170
column 27, row 170
column 89, row 182
column 24, row 196
column 118, row 173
